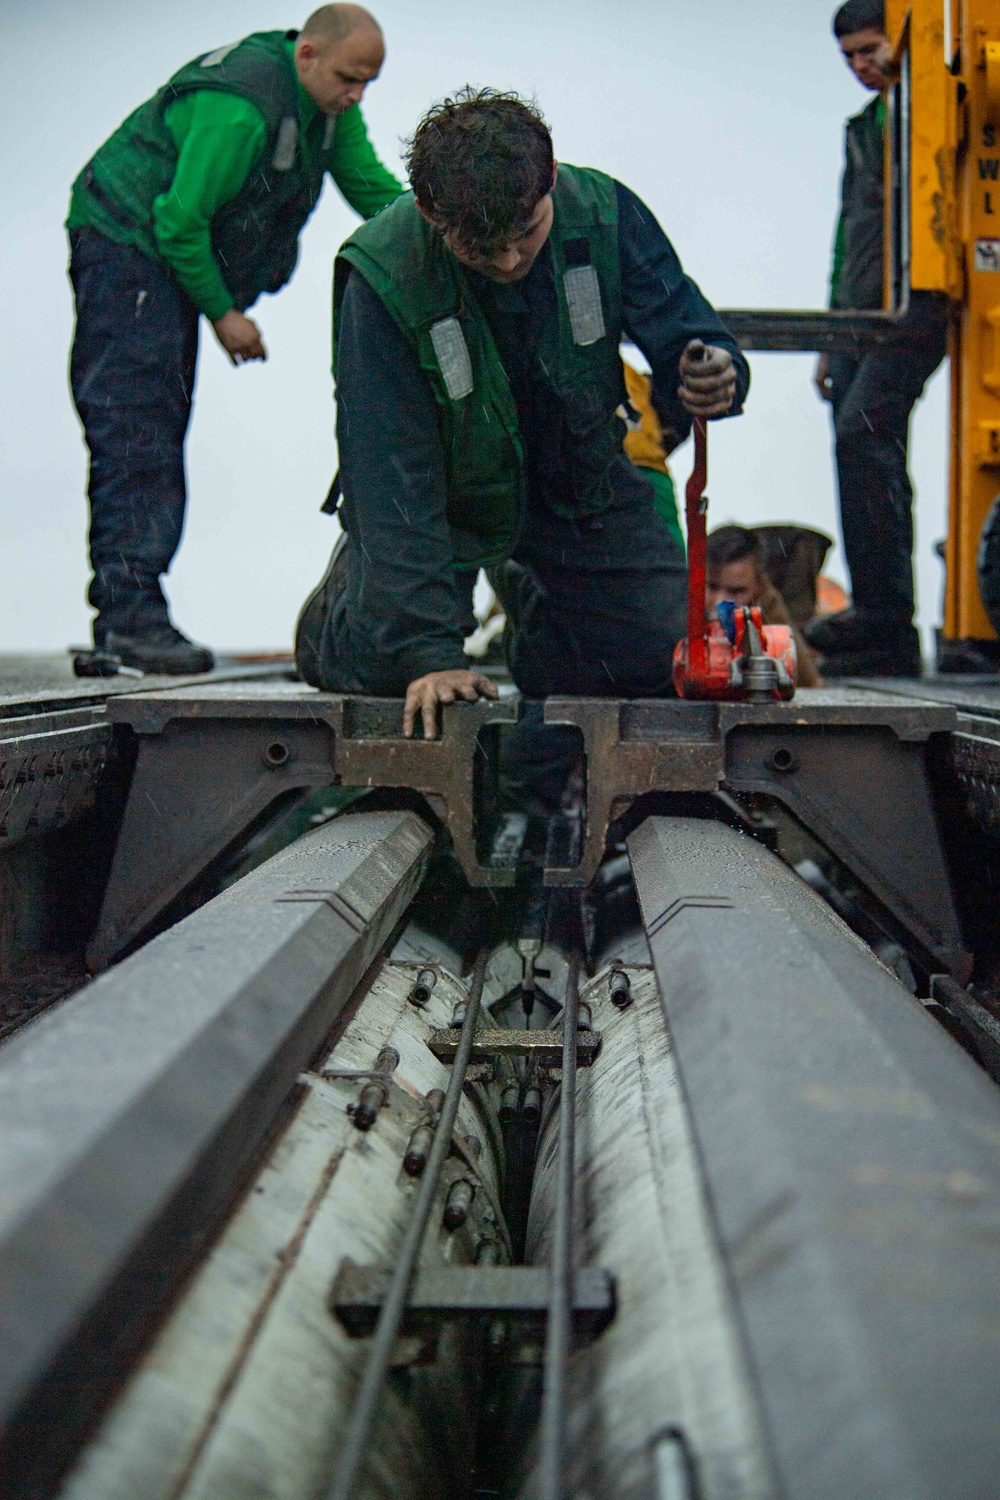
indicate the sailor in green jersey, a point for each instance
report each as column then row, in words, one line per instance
column 872, row 393
column 194, row 206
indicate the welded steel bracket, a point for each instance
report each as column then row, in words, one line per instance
column 850, row 765
column 371, row 752
column 631, row 749
column 213, row 760
column 862, row 790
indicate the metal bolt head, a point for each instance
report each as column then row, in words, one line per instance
column 532, row 1105
column 421, row 988
column 365, row 1112
column 458, row 1203
column 418, row 1151
column 620, row 988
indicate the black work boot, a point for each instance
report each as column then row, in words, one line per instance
column 852, row 630
column 133, row 625
column 164, row 649
column 310, row 625
column 896, row 656
column 521, row 594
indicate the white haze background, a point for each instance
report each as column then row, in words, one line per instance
column 726, row 118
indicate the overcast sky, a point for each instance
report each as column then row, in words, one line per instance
column 726, row 118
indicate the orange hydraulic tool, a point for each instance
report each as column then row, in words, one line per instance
column 736, row 657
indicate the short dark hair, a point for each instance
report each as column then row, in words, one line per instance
column 731, row 544
column 859, row 15
column 479, row 164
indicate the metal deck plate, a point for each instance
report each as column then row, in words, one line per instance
column 972, row 693
column 40, row 682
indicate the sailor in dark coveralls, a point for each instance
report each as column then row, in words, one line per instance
column 872, row 394
column 479, row 419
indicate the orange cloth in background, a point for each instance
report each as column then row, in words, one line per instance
column 830, row 597
column 644, row 444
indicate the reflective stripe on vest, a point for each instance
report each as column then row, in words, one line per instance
column 213, row 59
column 453, row 357
column 284, row 147
column 583, row 297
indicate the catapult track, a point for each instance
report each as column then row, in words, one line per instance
column 360, row 1181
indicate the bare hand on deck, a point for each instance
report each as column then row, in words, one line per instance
column 239, row 336
column 425, row 693
column 708, row 380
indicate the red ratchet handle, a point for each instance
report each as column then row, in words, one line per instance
column 696, row 508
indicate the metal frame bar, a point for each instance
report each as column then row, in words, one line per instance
column 513, row 1294
column 819, row 331
column 899, row 178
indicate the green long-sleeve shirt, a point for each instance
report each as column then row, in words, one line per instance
column 219, row 137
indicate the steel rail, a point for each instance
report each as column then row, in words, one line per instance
column 390, row 1319
column 132, row 1113
column 796, row 1086
column 559, row 1327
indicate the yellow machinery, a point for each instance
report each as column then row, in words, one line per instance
column 943, row 235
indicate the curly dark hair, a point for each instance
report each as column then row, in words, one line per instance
column 480, row 164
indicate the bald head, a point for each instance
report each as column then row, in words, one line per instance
column 338, row 52
column 334, row 23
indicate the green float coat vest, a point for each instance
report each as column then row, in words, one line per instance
column 254, row 236
column 858, row 272
column 424, row 288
